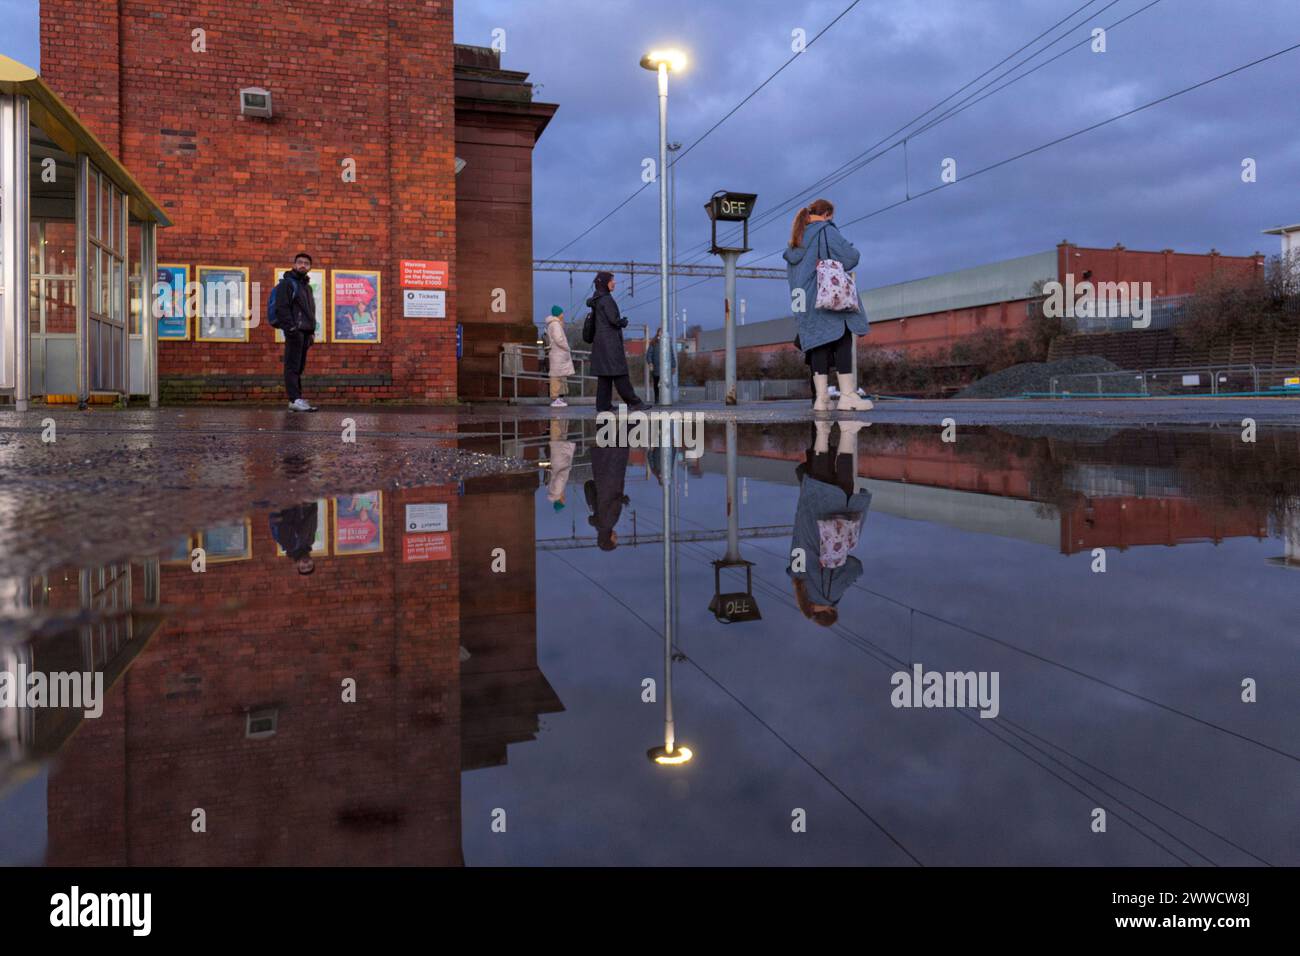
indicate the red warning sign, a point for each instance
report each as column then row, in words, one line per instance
column 426, row 547
column 419, row 274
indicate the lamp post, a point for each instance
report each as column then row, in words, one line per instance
column 660, row 62
column 672, row 258
column 724, row 206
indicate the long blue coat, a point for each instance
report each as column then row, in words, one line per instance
column 819, row 326
column 820, row 500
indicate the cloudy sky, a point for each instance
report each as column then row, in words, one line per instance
column 1166, row 177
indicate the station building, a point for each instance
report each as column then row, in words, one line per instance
column 359, row 133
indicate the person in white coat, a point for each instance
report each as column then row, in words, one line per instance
column 560, row 356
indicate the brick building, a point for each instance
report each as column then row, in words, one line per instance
column 356, row 164
column 925, row 315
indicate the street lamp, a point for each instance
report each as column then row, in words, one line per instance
column 660, row 62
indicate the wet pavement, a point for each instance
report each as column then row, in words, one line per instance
column 473, row 675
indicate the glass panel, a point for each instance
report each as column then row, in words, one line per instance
column 136, row 303
column 60, row 305
column 105, row 283
column 135, row 247
column 34, row 236
column 34, row 308
column 93, row 266
column 118, row 303
column 110, row 214
column 92, row 215
column 60, row 248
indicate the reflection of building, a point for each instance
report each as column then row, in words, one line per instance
column 503, row 692
column 1112, row 495
column 236, row 704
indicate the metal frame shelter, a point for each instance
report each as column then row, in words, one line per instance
column 78, row 238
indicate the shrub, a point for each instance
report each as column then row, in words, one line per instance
column 1227, row 306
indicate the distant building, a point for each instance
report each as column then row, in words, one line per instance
column 925, row 315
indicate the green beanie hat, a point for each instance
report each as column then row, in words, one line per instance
column 556, row 310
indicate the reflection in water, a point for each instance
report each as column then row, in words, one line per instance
column 362, row 710
column 827, row 524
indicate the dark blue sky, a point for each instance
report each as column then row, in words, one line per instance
column 1169, row 176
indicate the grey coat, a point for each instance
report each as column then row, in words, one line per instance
column 820, row 500
column 607, row 354
column 819, row 326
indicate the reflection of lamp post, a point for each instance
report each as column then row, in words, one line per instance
column 669, row 754
column 661, row 61
column 733, row 608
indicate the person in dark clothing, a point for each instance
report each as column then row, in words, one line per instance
column 294, row 530
column 652, row 359
column 295, row 316
column 608, row 358
column 604, row 492
column 827, row 523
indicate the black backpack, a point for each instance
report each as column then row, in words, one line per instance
column 589, row 327
column 271, row 303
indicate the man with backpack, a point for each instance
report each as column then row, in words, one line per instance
column 292, row 310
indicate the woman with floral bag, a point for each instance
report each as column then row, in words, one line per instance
column 819, row 263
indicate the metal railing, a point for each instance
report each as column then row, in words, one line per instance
column 512, row 364
column 1185, row 380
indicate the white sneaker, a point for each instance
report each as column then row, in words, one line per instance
column 301, row 405
column 559, row 403
column 833, row 392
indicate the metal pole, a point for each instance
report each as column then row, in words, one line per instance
column 665, row 474
column 14, row 246
column 733, row 502
column 665, row 396
column 83, row 277
column 645, row 385
column 729, row 324
column 148, row 322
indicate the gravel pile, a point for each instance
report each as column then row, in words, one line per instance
column 1034, row 377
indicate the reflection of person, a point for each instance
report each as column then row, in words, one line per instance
column 826, row 336
column 560, row 356
column 604, row 492
column 608, row 359
column 295, row 316
column 561, row 464
column 827, row 523
column 294, row 530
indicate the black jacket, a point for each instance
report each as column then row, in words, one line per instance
column 607, row 355
column 295, row 306
column 294, row 529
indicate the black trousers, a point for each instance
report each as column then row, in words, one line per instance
column 654, row 395
column 832, row 469
column 296, row 345
column 605, row 384
column 839, row 354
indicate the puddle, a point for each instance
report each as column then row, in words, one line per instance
column 476, row 672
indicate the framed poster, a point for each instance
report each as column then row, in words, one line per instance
column 178, row 552
column 354, row 306
column 359, row 523
column 169, row 310
column 320, row 545
column 223, row 304
column 232, row 541
column 316, row 279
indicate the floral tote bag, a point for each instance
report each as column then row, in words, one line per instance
column 836, row 290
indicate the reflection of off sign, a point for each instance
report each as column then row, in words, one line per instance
column 427, row 517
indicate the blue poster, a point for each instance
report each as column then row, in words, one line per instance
column 169, row 305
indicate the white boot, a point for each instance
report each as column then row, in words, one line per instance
column 821, row 384
column 822, row 441
column 850, row 401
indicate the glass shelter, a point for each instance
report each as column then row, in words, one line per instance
column 77, row 238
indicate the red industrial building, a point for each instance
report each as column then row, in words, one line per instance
column 370, row 109
column 924, row 315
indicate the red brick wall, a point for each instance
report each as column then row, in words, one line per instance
column 369, row 81
column 366, row 783
column 1169, row 272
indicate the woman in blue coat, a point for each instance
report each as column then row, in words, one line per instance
column 827, row 337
